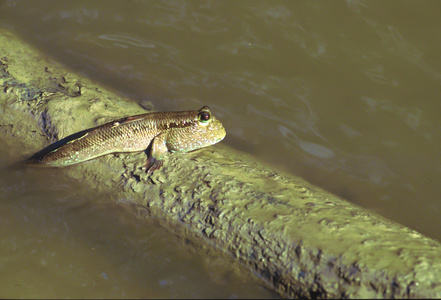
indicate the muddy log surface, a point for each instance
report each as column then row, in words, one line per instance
column 301, row 240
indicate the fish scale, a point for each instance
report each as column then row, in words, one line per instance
column 165, row 131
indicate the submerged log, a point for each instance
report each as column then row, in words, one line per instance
column 301, row 240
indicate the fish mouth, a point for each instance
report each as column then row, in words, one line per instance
column 218, row 130
column 222, row 135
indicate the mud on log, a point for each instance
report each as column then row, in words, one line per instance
column 301, row 240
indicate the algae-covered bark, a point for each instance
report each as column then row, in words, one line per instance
column 303, row 241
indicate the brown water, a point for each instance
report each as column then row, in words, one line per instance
column 57, row 240
column 345, row 94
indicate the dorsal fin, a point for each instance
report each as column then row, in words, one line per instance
column 127, row 120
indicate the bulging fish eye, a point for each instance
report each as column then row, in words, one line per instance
column 204, row 116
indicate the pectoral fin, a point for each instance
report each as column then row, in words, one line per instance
column 157, row 152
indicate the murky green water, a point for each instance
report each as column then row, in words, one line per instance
column 344, row 93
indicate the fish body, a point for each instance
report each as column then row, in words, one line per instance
column 164, row 131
